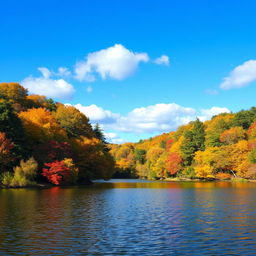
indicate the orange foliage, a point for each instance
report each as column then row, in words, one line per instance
column 6, row 147
column 252, row 130
column 41, row 125
column 232, row 135
column 173, row 163
column 223, row 176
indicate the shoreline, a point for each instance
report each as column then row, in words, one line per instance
column 46, row 185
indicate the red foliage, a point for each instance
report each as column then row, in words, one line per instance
column 6, row 147
column 252, row 144
column 169, row 144
column 57, row 173
column 252, row 130
column 173, row 163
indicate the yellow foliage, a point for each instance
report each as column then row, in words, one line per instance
column 175, row 148
column 41, row 125
column 203, row 167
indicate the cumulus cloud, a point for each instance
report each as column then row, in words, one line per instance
column 116, row 62
column 155, row 118
column 207, row 114
column 45, row 85
column 97, row 114
column 151, row 119
column 240, row 76
column 162, row 60
column 113, row 137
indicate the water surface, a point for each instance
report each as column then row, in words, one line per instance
column 130, row 217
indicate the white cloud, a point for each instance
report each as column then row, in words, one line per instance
column 151, row 119
column 155, row 118
column 113, row 138
column 46, row 73
column 63, row 71
column 162, row 60
column 97, row 114
column 116, row 62
column 240, row 76
column 207, row 114
column 44, row 85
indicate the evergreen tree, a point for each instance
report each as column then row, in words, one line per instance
column 245, row 118
column 98, row 133
column 193, row 141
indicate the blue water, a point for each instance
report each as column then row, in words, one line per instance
column 130, row 217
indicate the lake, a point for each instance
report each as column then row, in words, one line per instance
column 130, row 217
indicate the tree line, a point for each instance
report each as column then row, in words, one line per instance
column 46, row 141
column 221, row 148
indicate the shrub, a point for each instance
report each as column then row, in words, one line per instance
column 61, row 172
column 26, row 169
column 6, row 178
column 19, row 180
column 23, row 175
column 189, row 172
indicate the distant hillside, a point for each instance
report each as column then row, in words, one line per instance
column 221, row 148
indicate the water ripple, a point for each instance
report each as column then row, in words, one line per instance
column 130, row 218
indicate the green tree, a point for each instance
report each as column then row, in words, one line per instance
column 140, row 155
column 11, row 125
column 193, row 141
column 73, row 121
column 98, row 133
column 245, row 118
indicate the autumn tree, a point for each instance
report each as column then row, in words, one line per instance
column 60, row 172
column 41, row 126
column 216, row 127
column 13, row 92
column 73, row 121
column 252, row 131
column 40, row 101
column 232, row 135
column 91, row 159
column 173, row 163
column 6, row 154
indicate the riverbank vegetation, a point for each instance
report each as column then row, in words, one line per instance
column 222, row 148
column 42, row 141
column 46, row 141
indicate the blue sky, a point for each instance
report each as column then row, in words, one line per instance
column 107, row 51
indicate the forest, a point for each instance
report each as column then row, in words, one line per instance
column 222, row 148
column 42, row 141
column 47, row 142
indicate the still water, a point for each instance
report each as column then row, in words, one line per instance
column 130, row 217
